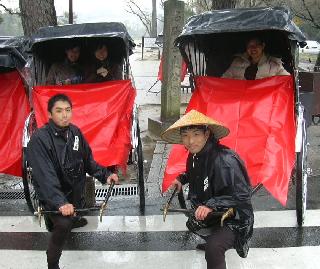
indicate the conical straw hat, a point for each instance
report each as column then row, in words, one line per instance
column 193, row 117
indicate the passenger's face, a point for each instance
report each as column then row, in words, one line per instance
column 61, row 113
column 73, row 54
column 255, row 49
column 194, row 139
column 102, row 53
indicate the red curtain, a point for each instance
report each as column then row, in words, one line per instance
column 260, row 116
column 102, row 111
column 184, row 69
column 14, row 109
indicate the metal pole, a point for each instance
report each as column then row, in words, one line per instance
column 142, row 45
column 70, row 12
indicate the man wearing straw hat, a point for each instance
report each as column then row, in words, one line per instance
column 218, row 181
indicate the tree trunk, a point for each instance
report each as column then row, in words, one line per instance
column 223, row 4
column 154, row 19
column 36, row 14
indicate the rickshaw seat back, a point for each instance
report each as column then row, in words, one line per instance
column 261, row 118
column 102, row 111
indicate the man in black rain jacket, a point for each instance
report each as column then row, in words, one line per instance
column 218, row 180
column 60, row 157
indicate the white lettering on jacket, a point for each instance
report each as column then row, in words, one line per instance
column 76, row 143
column 205, row 184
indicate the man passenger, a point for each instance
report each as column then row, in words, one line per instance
column 69, row 71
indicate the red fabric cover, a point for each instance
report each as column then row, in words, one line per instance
column 14, row 109
column 182, row 74
column 260, row 116
column 103, row 112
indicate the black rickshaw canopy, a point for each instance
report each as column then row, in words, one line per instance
column 210, row 40
column 242, row 20
column 115, row 30
column 48, row 44
column 13, row 53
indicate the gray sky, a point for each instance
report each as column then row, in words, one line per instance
column 94, row 10
column 99, row 10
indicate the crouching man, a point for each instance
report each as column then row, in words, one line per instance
column 60, row 157
column 218, row 181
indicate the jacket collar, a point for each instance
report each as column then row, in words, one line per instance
column 58, row 131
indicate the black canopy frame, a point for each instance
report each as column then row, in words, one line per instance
column 13, row 53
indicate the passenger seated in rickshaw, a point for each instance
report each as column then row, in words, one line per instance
column 69, row 71
column 101, row 68
column 254, row 63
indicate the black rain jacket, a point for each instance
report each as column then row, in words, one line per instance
column 218, row 179
column 59, row 165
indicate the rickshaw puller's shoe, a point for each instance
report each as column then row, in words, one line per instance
column 79, row 222
column 201, row 246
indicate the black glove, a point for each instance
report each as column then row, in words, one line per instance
column 194, row 225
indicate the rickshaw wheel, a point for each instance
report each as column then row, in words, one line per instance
column 139, row 166
column 301, row 178
column 28, row 188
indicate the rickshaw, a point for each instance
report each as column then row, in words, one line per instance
column 266, row 117
column 14, row 103
column 104, row 111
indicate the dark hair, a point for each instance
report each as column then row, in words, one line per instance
column 256, row 38
column 70, row 44
column 203, row 128
column 56, row 98
column 99, row 46
column 194, row 127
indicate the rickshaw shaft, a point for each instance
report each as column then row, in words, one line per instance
column 190, row 211
column 78, row 210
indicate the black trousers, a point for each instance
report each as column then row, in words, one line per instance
column 217, row 244
column 60, row 232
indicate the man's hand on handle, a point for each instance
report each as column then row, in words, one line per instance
column 176, row 184
column 67, row 210
column 113, row 177
column 202, row 212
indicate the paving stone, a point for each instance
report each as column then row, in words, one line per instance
column 160, row 148
column 156, row 160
